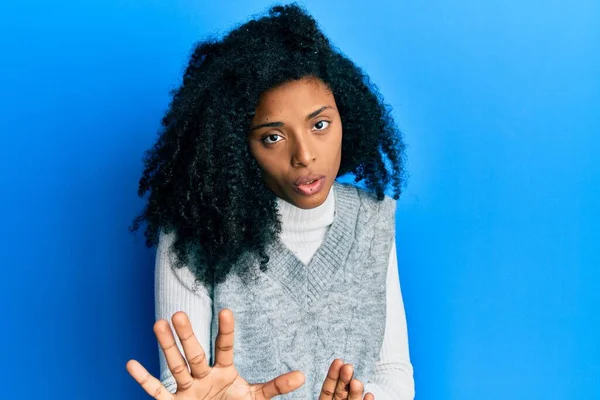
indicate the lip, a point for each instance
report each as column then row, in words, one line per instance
column 305, row 179
column 306, row 189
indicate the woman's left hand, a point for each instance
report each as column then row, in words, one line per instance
column 340, row 384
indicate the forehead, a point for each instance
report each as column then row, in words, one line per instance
column 298, row 96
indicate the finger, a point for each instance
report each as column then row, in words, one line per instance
column 328, row 388
column 175, row 360
column 224, row 340
column 369, row 396
column 343, row 384
column 150, row 384
column 356, row 390
column 282, row 384
column 194, row 353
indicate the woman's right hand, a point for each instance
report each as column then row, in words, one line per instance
column 202, row 381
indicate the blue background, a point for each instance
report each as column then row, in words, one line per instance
column 497, row 229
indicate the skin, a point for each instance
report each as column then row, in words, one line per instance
column 296, row 131
column 303, row 137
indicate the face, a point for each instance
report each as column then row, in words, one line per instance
column 296, row 138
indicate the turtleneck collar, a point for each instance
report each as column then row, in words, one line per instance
column 295, row 219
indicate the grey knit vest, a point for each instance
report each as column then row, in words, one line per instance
column 301, row 317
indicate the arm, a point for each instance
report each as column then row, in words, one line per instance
column 175, row 290
column 393, row 376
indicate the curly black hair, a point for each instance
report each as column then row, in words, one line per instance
column 201, row 177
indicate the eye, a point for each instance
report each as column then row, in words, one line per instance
column 270, row 139
column 322, row 125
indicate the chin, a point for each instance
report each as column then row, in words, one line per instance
column 312, row 201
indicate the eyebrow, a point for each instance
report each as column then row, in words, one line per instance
column 278, row 123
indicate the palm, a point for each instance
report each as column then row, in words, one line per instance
column 200, row 381
column 222, row 383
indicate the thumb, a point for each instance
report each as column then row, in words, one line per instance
column 282, row 384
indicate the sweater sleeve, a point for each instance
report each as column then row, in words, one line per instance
column 393, row 376
column 175, row 290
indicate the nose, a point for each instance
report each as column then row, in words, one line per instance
column 303, row 154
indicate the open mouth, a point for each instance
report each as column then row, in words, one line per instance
column 311, row 187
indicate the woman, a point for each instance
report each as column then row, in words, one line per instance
column 250, row 221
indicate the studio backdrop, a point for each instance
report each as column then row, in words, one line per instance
column 497, row 227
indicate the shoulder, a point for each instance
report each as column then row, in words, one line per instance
column 367, row 201
column 168, row 264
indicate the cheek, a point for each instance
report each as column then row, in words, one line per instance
column 335, row 148
column 256, row 154
column 266, row 160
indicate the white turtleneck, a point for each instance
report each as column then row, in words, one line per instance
column 303, row 232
